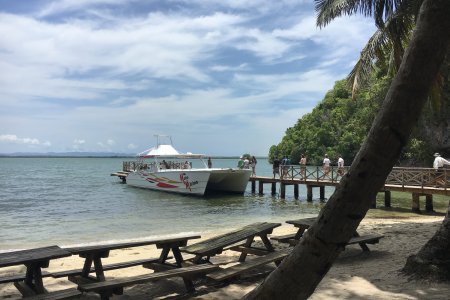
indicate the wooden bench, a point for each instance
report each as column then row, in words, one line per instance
column 242, row 267
column 304, row 224
column 115, row 286
column 93, row 254
column 56, row 295
column 362, row 240
column 283, row 238
column 217, row 245
column 31, row 283
column 108, row 267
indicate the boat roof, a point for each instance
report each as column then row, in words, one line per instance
column 166, row 150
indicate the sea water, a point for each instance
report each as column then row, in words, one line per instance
column 75, row 201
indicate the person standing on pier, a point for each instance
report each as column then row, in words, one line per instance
column 303, row 166
column 326, row 165
column 438, row 166
column 253, row 163
column 340, row 163
column 276, row 167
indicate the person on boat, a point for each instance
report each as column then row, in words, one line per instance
column 241, row 163
column 187, row 165
column 246, row 163
column 209, row 163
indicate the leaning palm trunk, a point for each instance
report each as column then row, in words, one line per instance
column 433, row 260
column 300, row 273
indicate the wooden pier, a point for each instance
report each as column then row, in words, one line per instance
column 417, row 181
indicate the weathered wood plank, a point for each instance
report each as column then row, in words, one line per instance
column 248, row 265
column 216, row 244
column 63, row 294
column 108, row 267
column 123, row 282
column 103, row 247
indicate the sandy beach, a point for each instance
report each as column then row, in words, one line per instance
column 355, row 275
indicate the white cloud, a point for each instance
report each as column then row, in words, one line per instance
column 198, row 69
column 14, row 139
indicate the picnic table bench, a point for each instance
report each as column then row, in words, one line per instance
column 218, row 244
column 243, row 267
column 115, row 286
column 305, row 223
column 93, row 255
column 34, row 259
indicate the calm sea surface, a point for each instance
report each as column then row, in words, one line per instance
column 75, row 201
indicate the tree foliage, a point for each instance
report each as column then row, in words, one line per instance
column 337, row 125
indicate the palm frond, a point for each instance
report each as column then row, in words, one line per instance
column 380, row 10
column 376, row 48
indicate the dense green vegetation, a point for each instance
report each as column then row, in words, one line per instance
column 339, row 125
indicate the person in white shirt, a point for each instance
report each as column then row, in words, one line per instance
column 326, row 165
column 340, row 170
column 438, row 165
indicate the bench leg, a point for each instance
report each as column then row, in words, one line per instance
column 248, row 243
column 178, row 257
column 189, row 285
column 364, row 247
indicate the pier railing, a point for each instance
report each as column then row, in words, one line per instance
column 414, row 177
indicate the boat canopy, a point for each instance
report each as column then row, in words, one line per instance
column 165, row 150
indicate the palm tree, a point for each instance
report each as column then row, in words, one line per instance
column 300, row 273
column 395, row 21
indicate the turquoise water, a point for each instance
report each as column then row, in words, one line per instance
column 75, row 201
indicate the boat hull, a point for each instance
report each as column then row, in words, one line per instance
column 193, row 182
column 176, row 181
column 228, row 180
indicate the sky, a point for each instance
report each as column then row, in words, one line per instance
column 219, row 77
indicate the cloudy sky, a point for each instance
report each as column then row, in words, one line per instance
column 220, row 77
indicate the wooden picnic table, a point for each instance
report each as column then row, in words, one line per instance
column 217, row 245
column 34, row 260
column 93, row 254
column 302, row 225
column 305, row 223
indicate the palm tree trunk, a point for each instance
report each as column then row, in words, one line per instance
column 300, row 273
column 433, row 260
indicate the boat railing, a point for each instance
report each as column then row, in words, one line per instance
column 132, row 166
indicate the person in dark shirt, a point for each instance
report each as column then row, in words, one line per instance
column 276, row 167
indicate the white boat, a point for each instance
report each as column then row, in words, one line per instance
column 163, row 168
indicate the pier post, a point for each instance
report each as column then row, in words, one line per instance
column 374, row 202
column 309, row 193
column 261, row 187
column 296, row 191
column 283, row 190
column 387, row 198
column 253, row 186
column 415, row 202
column 429, row 203
column 274, row 188
column 322, row 193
